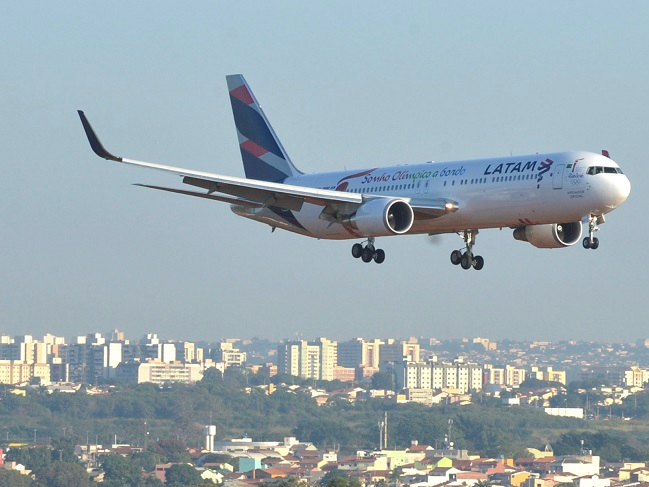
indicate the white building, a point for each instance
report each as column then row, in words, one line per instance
column 158, row 372
column 308, row 360
column 461, row 376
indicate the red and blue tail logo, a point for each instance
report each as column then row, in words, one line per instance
column 263, row 156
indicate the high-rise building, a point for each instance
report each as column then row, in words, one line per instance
column 328, row 357
column 397, row 351
column 359, row 353
column 309, row 360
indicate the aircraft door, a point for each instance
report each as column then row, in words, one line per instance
column 557, row 179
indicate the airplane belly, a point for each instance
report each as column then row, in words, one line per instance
column 511, row 208
column 305, row 222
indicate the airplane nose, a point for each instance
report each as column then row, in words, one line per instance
column 619, row 190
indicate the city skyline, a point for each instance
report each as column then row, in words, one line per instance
column 345, row 86
column 177, row 338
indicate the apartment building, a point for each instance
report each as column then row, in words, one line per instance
column 308, row 360
column 158, row 372
column 459, row 375
column 548, row 374
column 508, row 376
column 636, row 376
column 16, row 372
column 230, row 356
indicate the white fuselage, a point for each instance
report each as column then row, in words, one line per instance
column 489, row 193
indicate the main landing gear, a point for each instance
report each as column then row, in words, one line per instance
column 591, row 242
column 466, row 259
column 368, row 253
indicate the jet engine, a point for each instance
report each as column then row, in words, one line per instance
column 550, row 236
column 380, row 217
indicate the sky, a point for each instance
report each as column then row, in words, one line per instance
column 345, row 85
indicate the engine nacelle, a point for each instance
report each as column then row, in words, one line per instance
column 381, row 217
column 550, row 236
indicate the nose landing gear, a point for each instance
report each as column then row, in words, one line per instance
column 466, row 259
column 592, row 242
column 368, row 253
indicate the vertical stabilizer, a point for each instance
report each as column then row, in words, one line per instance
column 263, row 156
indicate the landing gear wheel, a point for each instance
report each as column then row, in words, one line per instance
column 591, row 245
column 357, row 250
column 591, row 242
column 467, row 259
column 367, row 255
column 379, row 256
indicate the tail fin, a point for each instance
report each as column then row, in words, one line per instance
column 263, row 156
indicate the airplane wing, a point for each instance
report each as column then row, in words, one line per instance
column 258, row 194
column 245, row 191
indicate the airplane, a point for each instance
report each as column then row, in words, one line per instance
column 543, row 198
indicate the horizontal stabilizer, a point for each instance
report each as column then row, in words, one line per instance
column 217, row 197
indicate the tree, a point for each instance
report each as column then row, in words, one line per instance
column 34, row 458
column 63, row 474
column 13, row 478
column 220, row 458
column 343, row 482
column 173, row 450
column 287, row 482
column 147, row 460
column 532, row 383
column 63, row 449
column 121, row 470
column 182, row 474
column 152, row 482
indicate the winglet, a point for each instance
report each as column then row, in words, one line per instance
column 94, row 140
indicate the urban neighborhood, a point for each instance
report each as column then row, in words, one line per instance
column 440, row 376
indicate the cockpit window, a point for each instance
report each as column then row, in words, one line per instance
column 592, row 170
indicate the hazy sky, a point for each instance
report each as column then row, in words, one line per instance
column 345, row 85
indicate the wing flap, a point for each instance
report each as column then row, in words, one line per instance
column 262, row 196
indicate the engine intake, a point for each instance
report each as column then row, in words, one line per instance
column 550, row 236
column 381, row 217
